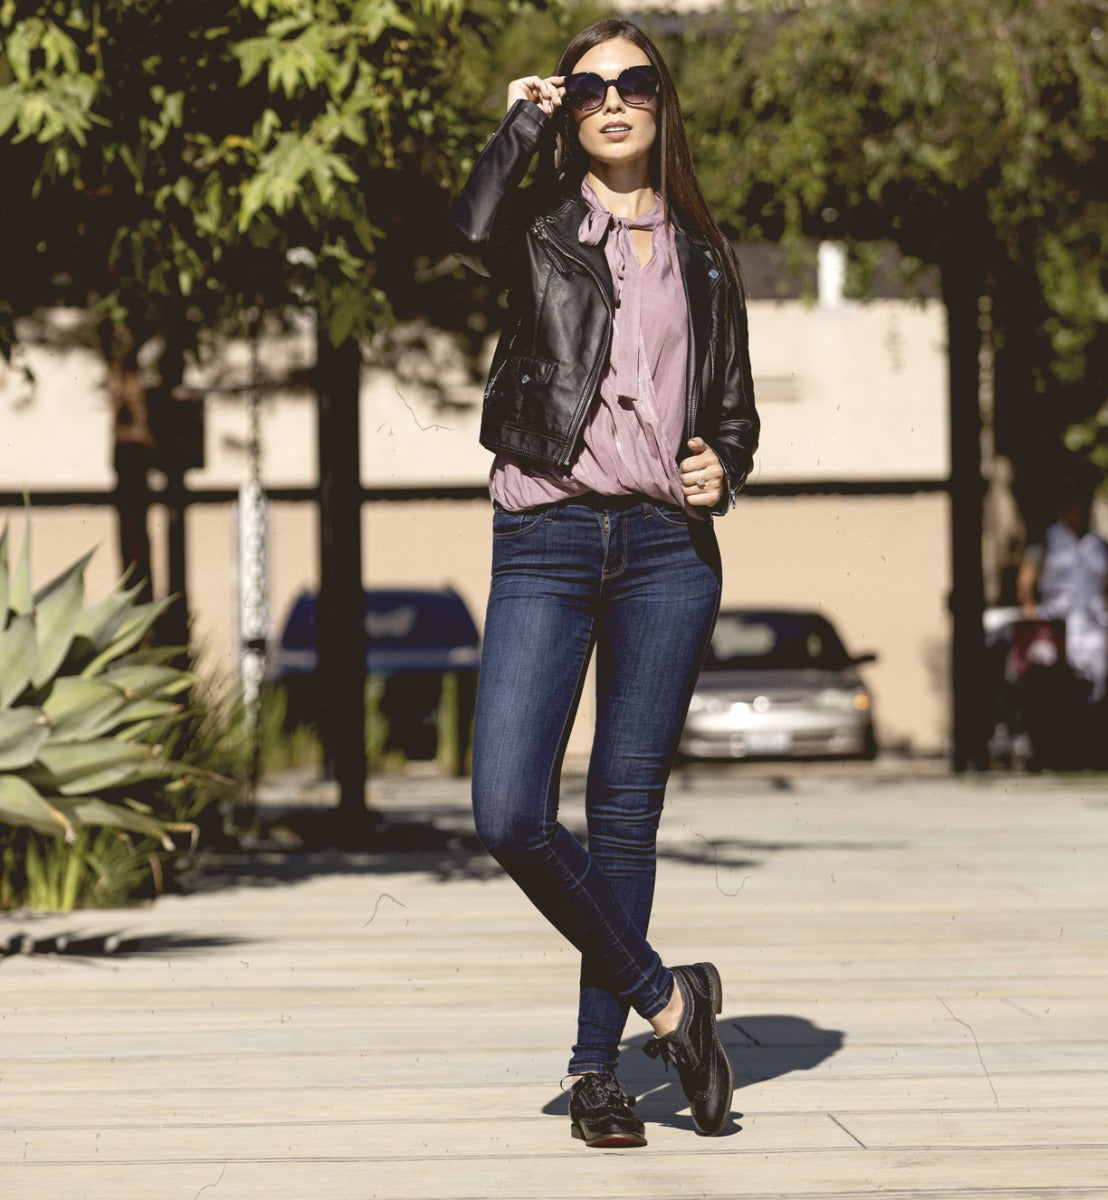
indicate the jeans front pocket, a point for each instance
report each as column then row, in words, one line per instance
column 671, row 514
column 507, row 524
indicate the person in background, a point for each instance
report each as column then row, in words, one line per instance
column 620, row 407
column 1065, row 575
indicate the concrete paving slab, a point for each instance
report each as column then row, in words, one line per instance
column 915, row 971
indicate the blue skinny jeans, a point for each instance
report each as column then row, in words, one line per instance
column 640, row 582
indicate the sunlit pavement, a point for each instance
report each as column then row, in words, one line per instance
column 915, row 969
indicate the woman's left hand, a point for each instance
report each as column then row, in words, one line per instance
column 702, row 475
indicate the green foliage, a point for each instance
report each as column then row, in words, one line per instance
column 951, row 128
column 86, row 721
column 376, row 726
column 99, row 869
column 281, row 742
column 215, row 156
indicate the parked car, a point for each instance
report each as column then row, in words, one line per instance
column 779, row 683
column 414, row 636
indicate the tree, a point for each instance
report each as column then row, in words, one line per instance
column 972, row 135
column 183, row 167
column 931, row 127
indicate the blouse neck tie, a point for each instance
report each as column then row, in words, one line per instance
column 628, row 354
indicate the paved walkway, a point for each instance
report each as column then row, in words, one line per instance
column 916, row 975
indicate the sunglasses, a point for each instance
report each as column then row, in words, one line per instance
column 586, row 91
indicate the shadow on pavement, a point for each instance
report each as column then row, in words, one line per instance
column 300, row 845
column 293, row 844
column 78, row 946
column 761, row 1047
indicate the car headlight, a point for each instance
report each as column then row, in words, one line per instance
column 845, row 699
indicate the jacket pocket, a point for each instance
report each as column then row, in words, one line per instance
column 527, row 370
column 517, row 381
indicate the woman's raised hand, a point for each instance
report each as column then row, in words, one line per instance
column 546, row 93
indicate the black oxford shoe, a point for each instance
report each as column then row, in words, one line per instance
column 695, row 1050
column 600, row 1112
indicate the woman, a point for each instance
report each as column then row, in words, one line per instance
column 621, row 410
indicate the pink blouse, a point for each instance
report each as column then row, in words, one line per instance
column 634, row 428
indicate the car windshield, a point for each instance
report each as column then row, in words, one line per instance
column 746, row 641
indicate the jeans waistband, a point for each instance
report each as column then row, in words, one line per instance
column 620, row 503
column 601, row 503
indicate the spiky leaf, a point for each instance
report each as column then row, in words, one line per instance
column 136, row 680
column 82, row 708
column 22, row 732
column 20, row 804
column 135, row 716
column 4, row 588
column 99, row 622
column 152, row 728
column 121, row 776
column 18, row 652
column 19, row 597
column 90, row 766
column 57, row 607
column 132, row 629
column 153, row 656
column 91, row 810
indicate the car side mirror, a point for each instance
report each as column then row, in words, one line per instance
column 861, row 659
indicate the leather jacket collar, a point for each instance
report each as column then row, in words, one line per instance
column 694, row 253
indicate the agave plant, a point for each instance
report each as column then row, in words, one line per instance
column 82, row 706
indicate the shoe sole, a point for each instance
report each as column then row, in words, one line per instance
column 715, row 985
column 611, row 1141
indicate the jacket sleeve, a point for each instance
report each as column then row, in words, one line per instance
column 739, row 426
column 488, row 213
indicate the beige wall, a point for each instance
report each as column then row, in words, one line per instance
column 877, row 566
column 55, row 417
column 213, row 576
column 852, row 392
column 845, row 392
column 856, row 391
column 60, row 535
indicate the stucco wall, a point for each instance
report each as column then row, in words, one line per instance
column 877, row 566
column 852, row 392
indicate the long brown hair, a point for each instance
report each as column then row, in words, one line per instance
column 562, row 162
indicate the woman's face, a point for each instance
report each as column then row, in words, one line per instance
column 616, row 133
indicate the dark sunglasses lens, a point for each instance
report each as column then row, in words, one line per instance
column 585, row 91
column 637, row 85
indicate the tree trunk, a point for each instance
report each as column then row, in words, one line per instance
column 170, row 452
column 963, row 278
column 132, row 457
column 340, row 619
column 1027, row 432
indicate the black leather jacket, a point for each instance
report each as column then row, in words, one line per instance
column 546, row 370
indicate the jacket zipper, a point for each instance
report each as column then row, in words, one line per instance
column 500, row 369
column 692, row 406
column 578, row 421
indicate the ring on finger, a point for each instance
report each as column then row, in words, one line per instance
column 700, row 481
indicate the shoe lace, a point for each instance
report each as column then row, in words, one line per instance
column 607, row 1088
column 665, row 1048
